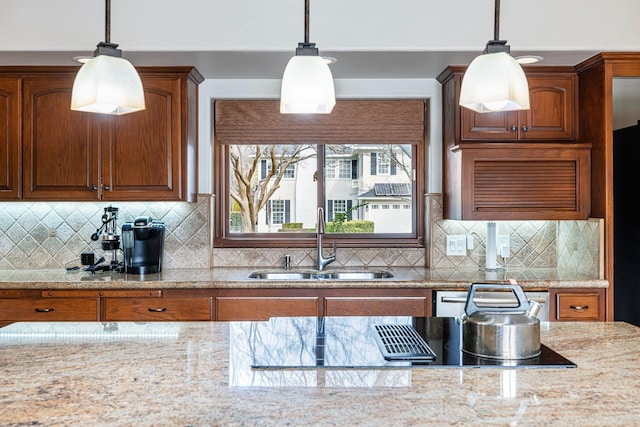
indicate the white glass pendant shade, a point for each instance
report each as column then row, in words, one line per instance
column 494, row 82
column 107, row 85
column 307, row 86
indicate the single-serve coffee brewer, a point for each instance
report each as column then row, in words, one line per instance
column 143, row 241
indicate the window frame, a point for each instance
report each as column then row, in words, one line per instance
column 223, row 238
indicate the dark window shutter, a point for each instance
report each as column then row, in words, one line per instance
column 374, row 163
column 330, row 210
column 287, row 213
column 349, row 212
column 354, row 169
column 393, row 167
column 268, row 210
column 263, row 169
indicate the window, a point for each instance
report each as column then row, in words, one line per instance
column 340, row 169
column 289, row 172
column 277, row 211
column 271, row 179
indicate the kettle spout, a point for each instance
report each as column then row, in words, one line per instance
column 534, row 308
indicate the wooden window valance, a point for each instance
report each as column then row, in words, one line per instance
column 352, row 121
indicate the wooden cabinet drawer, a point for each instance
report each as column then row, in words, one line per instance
column 583, row 305
column 376, row 306
column 262, row 308
column 150, row 309
column 49, row 309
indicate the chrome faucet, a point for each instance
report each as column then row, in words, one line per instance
column 322, row 262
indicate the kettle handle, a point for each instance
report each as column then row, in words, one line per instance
column 470, row 306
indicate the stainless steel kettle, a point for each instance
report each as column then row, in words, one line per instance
column 501, row 332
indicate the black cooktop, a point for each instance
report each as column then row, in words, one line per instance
column 353, row 342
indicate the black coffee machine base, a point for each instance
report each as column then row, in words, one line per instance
column 142, row 269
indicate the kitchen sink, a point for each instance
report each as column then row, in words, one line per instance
column 321, row 275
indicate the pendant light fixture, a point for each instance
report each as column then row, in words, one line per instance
column 307, row 82
column 107, row 83
column 495, row 81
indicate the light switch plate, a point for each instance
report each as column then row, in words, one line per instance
column 456, row 246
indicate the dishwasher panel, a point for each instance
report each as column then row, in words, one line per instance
column 451, row 303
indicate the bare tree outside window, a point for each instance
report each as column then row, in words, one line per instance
column 250, row 186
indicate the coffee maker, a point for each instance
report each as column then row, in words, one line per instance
column 143, row 241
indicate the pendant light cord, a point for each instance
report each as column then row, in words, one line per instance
column 306, row 21
column 496, row 20
column 107, row 23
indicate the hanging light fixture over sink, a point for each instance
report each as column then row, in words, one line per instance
column 495, row 81
column 107, row 83
column 307, row 82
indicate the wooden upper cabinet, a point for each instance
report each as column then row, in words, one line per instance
column 142, row 156
column 146, row 155
column 517, row 165
column 10, row 141
column 60, row 145
column 553, row 98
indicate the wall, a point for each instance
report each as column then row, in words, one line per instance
column 412, row 25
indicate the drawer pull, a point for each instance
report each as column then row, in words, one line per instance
column 157, row 310
column 44, row 310
column 579, row 307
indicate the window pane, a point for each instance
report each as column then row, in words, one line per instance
column 268, row 185
column 377, row 197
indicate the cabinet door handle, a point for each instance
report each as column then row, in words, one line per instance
column 44, row 310
column 106, row 187
column 94, row 188
column 514, row 128
column 579, row 307
column 157, row 310
column 524, row 128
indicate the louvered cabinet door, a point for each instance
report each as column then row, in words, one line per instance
column 528, row 182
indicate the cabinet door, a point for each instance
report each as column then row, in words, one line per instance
column 488, row 126
column 60, row 145
column 522, row 182
column 552, row 112
column 10, row 143
column 49, row 309
column 150, row 309
column 143, row 158
column 262, row 308
column 376, row 306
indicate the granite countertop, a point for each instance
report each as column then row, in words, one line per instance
column 238, row 278
column 192, row 374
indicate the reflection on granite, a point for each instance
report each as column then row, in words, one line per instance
column 239, row 278
column 293, row 342
column 187, row 380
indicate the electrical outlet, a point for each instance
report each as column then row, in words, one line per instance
column 456, row 245
column 503, row 245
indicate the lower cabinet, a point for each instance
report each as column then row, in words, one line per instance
column 577, row 304
column 376, row 306
column 48, row 309
column 262, row 308
column 155, row 309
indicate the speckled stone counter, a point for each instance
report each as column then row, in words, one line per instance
column 239, row 278
column 189, row 374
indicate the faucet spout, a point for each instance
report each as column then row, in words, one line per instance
column 322, row 260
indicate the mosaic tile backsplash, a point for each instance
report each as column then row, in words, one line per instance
column 53, row 234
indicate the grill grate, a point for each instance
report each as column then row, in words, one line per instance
column 402, row 342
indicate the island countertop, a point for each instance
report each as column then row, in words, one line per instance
column 403, row 277
column 192, row 374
